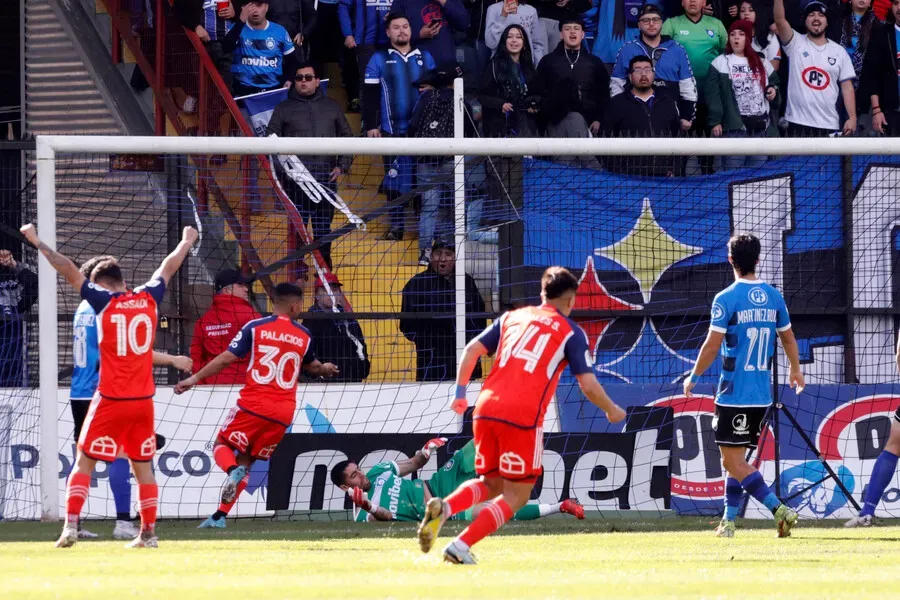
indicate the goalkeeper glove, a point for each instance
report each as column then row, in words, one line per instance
column 358, row 497
column 433, row 445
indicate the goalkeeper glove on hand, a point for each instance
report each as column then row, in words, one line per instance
column 433, row 445
column 358, row 497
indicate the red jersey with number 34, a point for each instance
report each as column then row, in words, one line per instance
column 126, row 329
column 277, row 346
column 532, row 346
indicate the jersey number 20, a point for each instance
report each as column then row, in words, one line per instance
column 759, row 345
column 518, row 347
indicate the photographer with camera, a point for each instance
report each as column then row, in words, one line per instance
column 640, row 112
column 509, row 107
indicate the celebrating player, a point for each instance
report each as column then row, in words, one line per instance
column 120, row 420
column 85, row 375
column 534, row 344
column 277, row 346
column 882, row 472
column 746, row 316
column 392, row 498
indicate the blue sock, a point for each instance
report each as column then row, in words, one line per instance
column 756, row 487
column 882, row 474
column 120, row 484
column 733, row 494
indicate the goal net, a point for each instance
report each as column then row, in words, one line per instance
column 646, row 237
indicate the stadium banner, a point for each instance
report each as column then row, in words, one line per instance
column 622, row 471
column 848, row 424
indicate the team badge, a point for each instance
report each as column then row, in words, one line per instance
column 740, row 425
column 758, row 296
column 717, row 311
column 710, row 33
column 815, row 78
column 270, row 43
column 832, row 60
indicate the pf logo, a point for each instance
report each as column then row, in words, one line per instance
column 758, row 296
column 816, row 78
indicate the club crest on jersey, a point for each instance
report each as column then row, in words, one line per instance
column 832, row 60
column 758, row 296
column 449, row 465
column 740, row 425
column 815, row 78
column 104, row 447
column 710, row 33
column 717, row 311
column 270, row 43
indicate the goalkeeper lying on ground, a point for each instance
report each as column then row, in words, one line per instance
column 383, row 494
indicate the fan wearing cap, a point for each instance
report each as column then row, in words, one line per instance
column 230, row 310
column 338, row 341
column 434, row 291
column 819, row 70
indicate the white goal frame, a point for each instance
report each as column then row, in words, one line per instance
column 49, row 146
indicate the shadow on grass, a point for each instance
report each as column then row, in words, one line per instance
column 318, row 530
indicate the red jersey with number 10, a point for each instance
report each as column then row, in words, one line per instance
column 532, row 346
column 277, row 347
column 126, row 329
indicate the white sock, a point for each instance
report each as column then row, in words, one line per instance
column 549, row 509
column 460, row 545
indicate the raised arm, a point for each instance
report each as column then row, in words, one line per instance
column 420, row 458
column 63, row 265
column 172, row 262
column 785, row 31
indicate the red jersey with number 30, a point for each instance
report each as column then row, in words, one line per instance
column 277, row 346
column 126, row 329
column 532, row 346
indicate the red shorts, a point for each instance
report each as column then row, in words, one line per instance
column 250, row 434
column 507, row 451
column 118, row 428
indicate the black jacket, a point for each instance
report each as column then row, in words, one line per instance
column 312, row 116
column 629, row 116
column 494, row 122
column 435, row 337
column 879, row 73
column 340, row 341
column 547, row 9
column 297, row 16
column 18, row 291
column 583, row 68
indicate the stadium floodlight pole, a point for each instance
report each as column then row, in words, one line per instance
column 459, row 214
column 48, row 334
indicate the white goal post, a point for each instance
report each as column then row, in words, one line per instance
column 49, row 147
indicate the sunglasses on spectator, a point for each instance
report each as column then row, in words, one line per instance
column 306, row 77
column 648, row 20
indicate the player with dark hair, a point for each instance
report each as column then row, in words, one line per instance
column 277, row 345
column 120, row 420
column 744, row 321
column 383, row 494
column 533, row 346
column 85, row 376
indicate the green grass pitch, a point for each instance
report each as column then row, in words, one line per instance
column 553, row 558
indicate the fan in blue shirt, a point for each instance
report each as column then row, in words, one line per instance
column 261, row 49
column 389, row 80
column 746, row 317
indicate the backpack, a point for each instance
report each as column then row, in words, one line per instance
column 436, row 118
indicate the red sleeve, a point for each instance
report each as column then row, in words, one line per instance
column 197, row 354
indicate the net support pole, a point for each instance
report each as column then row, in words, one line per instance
column 459, row 213
column 48, row 335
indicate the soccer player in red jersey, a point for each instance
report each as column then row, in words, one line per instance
column 120, row 418
column 533, row 346
column 278, row 346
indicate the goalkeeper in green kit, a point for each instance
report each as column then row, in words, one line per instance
column 382, row 493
